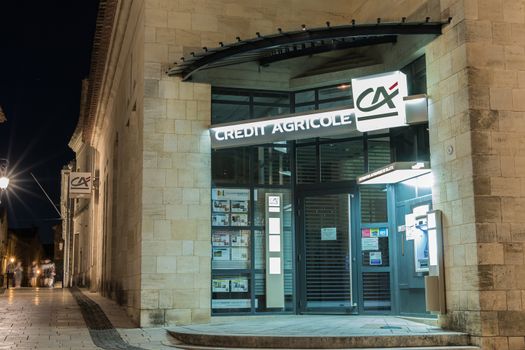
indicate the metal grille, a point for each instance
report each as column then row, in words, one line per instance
column 341, row 161
column 378, row 153
column 328, row 274
column 306, row 158
column 376, row 291
column 373, row 204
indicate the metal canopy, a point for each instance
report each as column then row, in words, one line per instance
column 285, row 45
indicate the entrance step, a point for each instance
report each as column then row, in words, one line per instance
column 317, row 332
column 468, row 347
column 196, row 340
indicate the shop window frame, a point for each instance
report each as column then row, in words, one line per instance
column 414, row 70
column 253, row 185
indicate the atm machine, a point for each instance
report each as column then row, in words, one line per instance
column 425, row 229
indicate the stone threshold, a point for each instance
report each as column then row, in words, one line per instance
column 452, row 347
column 193, row 338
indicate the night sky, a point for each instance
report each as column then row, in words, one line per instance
column 45, row 49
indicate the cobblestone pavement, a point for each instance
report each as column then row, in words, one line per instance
column 52, row 319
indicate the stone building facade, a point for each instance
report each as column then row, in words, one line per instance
column 147, row 231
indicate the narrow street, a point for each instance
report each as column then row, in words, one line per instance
column 42, row 318
column 52, row 319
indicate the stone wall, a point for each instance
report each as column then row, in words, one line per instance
column 117, row 140
column 476, row 78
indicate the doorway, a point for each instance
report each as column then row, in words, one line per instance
column 325, row 252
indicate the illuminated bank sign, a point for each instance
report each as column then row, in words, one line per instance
column 379, row 101
column 328, row 123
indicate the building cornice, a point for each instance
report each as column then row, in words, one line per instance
column 77, row 138
column 101, row 43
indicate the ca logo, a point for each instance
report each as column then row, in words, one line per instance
column 381, row 92
column 80, row 182
column 379, row 101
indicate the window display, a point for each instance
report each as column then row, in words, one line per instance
column 239, row 285
column 221, row 206
column 240, row 238
column 220, row 219
column 239, row 206
column 219, row 286
column 239, row 219
column 230, row 249
column 231, row 293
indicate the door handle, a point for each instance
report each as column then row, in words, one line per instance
column 402, row 244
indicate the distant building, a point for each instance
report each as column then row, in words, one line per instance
column 79, row 244
column 58, row 252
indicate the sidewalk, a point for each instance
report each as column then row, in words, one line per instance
column 52, row 319
column 73, row 319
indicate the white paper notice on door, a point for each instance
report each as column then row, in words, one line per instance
column 328, row 233
column 370, row 243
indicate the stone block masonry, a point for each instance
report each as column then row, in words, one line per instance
column 477, row 128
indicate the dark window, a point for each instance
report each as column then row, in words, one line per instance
column 230, row 166
column 229, row 112
column 410, row 143
column 416, row 72
column 231, row 105
column 323, row 98
column 272, row 165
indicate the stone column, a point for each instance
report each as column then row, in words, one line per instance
column 176, row 225
column 476, row 85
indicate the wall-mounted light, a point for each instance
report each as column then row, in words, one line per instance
column 394, row 173
column 423, row 181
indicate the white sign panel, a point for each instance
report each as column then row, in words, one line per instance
column 274, row 226
column 230, row 193
column 274, row 201
column 375, row 258
column 379, row 101
column 328, row 233
column 370, row 243
column 274, row 266
column 231, row 303
column 80, row 184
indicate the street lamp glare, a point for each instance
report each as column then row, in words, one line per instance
column 4, row 182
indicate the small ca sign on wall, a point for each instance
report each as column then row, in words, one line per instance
column 80, row 184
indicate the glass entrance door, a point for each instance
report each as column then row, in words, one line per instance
column 325, row 256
